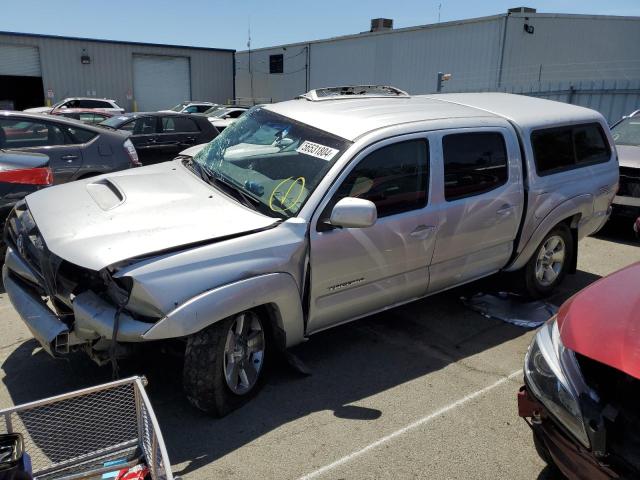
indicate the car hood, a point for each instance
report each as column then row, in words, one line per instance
column 97, row 222
column 602, row 321
column 38, row 110
column 628, row 155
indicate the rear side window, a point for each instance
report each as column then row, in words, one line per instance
column 394, row 177
column 94, row 104
column 178, row 124
column 564, row 148
column 474, row 163
column 80, row 135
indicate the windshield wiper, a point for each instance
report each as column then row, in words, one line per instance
column 220, row 180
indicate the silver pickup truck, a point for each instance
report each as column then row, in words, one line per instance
column 304, row 215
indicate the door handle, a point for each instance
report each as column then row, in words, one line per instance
column 69, row 158
column 422, row 231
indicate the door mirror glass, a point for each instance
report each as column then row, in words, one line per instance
column 354, row 213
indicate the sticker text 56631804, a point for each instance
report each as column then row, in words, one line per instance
column 317, row 150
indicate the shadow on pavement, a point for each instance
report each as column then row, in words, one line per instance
column 349, row 363
column 619, row 230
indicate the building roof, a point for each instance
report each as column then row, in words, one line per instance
column 442, row 25
column 117, row 42
column 351, row 118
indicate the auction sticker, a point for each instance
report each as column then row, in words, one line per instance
column 317, row 150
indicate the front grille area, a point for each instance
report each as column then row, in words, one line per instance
column 629, row 182
column 621, row 391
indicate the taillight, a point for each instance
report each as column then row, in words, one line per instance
column 131, row 151
column 30, row 176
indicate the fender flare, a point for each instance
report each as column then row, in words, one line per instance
column 278, row 290
column 571, row 208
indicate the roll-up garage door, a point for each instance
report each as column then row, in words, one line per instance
column 19, row 61
column 160, row 82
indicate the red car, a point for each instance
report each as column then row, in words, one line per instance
column 582, row 376
column 92, row 117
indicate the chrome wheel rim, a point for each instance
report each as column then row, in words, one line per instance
column 244, row 353
column 550, row 260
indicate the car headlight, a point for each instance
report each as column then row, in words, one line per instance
column 554, row 377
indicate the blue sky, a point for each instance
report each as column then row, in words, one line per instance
column 224, row 23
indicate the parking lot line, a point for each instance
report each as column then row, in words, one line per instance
column 411, row 426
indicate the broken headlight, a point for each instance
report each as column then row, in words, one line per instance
column 554, row 378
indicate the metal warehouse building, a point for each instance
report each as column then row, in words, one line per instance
column 37, row 68
column 582, row 59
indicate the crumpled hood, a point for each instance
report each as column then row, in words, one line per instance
column 96, row 222
column 602, row 321
column 628, row 155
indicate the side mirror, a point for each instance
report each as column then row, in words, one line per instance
column 354, row 213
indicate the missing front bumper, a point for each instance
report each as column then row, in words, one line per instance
column 553, row 444
column 47, row 328
column 92, row 318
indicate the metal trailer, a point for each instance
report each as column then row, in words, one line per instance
column 90, row 432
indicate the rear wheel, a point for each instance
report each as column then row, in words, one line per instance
column 548, row 265
column 224, row 364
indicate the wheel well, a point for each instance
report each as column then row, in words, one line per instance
column 573, row 222
column 271, row 312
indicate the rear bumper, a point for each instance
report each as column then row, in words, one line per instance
column 572, row 459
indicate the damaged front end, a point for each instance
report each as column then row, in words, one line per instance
column 66, row 307
column 584, row 415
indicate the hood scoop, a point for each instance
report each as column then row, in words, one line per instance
column 105, row 193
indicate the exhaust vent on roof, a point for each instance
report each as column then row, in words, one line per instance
column 381, row 24
column 522, row 10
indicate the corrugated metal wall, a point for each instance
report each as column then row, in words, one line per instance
column 110, row 73
column 588, row 60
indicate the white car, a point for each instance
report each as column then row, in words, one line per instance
column 192, row 107
column 224, row 117
column 104, row 104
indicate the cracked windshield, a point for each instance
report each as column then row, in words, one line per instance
column 272, row 162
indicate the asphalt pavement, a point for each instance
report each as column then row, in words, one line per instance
column 427, row 390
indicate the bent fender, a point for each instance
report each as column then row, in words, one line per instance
column 279, row 289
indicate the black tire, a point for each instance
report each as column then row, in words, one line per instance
column 204, row 379
column 537, row 288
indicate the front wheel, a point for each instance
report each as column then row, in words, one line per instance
column 224, row 363
column 548, row 265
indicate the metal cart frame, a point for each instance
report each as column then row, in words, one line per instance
column 89, row 432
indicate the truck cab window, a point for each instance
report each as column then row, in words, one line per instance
column 474, row 163
column 394, row 177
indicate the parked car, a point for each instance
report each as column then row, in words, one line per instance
column 75, row 150
column 160, row 136
column 92, row 117
column 304, row 215
column 224, row 117
column 103, row 104
column 582, row 376
column 21, row 173
column 191, row 107
column 626, row 135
